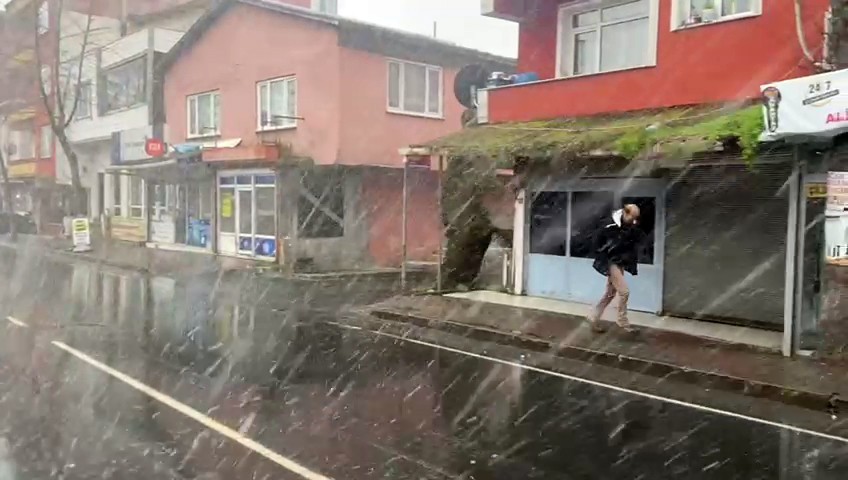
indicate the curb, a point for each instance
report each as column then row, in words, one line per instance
column 665, row 371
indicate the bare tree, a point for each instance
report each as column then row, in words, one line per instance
column 58, row 91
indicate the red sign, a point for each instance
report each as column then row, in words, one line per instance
column 154, row 147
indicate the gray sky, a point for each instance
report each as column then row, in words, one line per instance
column 459, row 21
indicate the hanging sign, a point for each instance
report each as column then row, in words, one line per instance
column 81, row 232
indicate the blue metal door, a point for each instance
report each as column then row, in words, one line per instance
column 562, row 228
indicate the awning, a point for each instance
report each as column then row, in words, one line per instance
column 806, row 108
column 168, row 169
column 670, row 133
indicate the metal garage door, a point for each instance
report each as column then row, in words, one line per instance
column 725, row 243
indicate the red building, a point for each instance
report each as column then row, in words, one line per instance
column 654, row 102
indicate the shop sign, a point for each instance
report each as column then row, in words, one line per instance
column 816, row 190
column 18, row 170
column 816, row 105
column 155, row 147
column 163, row 231
column 129, row 229
column 81, row 233
column 131, row 145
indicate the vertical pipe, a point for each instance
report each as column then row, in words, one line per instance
column 403, row 229
column 441, row 226
column 801, row 229
column 791, row 251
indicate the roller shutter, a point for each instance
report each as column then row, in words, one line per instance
column 726, row 243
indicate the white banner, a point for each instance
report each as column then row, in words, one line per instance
column 814, row 106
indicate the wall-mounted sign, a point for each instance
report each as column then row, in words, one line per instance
column 131, row 145
column 816, row 190
column 816, row 105
column 155, row 147
column 837, row 192
column 21, row 169
column 227, row 201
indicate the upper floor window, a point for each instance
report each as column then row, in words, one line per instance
column 45, row 146
column 277, row 103
column 606, row 36
column 204, row 114
column 22, row 145
column 125, row 86
column 330, row 7
column 43, row 18
column 415, row 88
column 83, row 97
column 696, row 12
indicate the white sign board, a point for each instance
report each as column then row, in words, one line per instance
column 163, row 231
column 814, row 106
column 81, row 233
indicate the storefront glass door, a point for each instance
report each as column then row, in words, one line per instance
column 244, row 214
column 247, row 215
column 563, row 225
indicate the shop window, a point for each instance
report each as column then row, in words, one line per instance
column 227, row 207
column 117, row 201
column 136, row 191
column 589, row 211
column 277, row 103
column 266, row 217
column 125, row 86
column 204, row 114
column 320, row 210
column 549, row 223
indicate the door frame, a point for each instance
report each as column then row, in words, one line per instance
column 621, row 187
column 237, row 188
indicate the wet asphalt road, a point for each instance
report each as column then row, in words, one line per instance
column 226, row 377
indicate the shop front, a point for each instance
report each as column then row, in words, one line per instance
column 247, row 213
column 181, row 214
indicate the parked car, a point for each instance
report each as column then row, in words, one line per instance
column 24, row 222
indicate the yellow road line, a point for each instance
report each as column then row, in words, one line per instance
column 207, row 422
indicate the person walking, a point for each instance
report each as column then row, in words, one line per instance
column 617, row 251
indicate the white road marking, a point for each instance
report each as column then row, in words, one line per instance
column 16, row 322
column 650, row 396
column 209, row 423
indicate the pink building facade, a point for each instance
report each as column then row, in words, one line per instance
column 301, row 116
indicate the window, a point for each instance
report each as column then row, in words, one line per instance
column 612, row 36
column 589, row 210
column 415, row 88
column 330, row 7
column 277, row 103
column 117, row 201
column 45, row 144
column 136, row 187
column 320, row 210
column 125, row 86
column 696, row 12
column 24, row 145
column 43, row 18
column 204, row 114
column 83, row 101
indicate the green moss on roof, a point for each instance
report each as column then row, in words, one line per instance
column 666, row 132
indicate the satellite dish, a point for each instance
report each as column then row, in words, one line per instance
column 468, row 80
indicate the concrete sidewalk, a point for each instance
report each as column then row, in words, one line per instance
column 668, row 355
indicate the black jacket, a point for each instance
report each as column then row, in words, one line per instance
column 617, row 245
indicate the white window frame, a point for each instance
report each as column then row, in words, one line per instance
column 402, row 69
column 191, row 130
column 680, row 10
column 565, row 30
column 289, row 122
column 327, row 7
column 130, row 205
